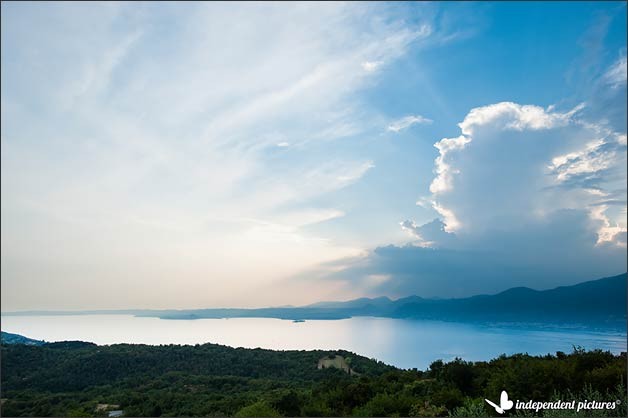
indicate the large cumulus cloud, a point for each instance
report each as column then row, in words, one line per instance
column 518, row 163
column 525, row 195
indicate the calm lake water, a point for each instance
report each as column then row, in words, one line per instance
column 403, row 343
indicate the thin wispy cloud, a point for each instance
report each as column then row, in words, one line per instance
column 370, row 66
column 407, row 121
column 205, row 154
column 155, row 135
column 616, row 75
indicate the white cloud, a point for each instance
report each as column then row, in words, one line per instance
column 160, row 131
column 407, row 121
column 499, row 117
column 535, row 197
column 444, row 173
column 430, row 234
column 413, row 229
column 616, row 75
column 502, row 116
column 509, row 115
column 371, row 66
column 449, row 217
column 516, row 163
column 590, row 160
column 609, row 231
column 348, row 174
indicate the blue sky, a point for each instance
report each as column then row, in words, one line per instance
column 249, row 154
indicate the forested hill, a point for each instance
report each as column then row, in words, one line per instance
column 82, row 379
column 89, row 364
column 8, row 338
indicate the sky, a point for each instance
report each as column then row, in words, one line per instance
column 189, row 155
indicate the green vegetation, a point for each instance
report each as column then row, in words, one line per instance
column 72, row 378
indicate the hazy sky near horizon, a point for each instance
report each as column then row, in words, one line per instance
column 187, row 155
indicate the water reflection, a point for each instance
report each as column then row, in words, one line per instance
column 404, row 343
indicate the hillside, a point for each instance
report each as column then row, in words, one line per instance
column 76, row 378
column 8, row 338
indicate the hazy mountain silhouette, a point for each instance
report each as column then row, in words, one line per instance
column 592, row 301
column 597, row 301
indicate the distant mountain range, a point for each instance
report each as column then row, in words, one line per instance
column 598, row 301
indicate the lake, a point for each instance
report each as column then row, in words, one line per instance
column 400, row 342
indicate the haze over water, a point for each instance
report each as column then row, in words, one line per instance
column 403, row 343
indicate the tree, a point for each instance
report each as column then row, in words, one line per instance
column 258, row 409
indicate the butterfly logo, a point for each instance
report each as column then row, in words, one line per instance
column 504, row 403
